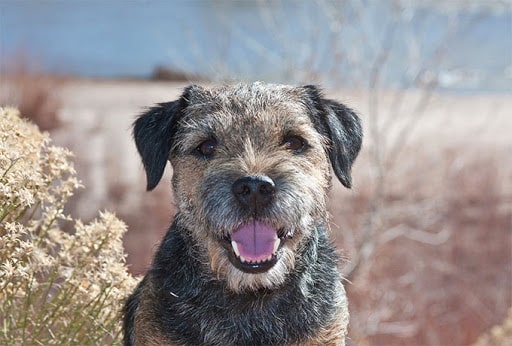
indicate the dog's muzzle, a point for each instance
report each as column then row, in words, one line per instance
column 254, row 246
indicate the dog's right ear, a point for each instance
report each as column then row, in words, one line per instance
column 154, row 133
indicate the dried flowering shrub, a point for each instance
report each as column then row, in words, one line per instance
column 56, row 288
column 500, row 335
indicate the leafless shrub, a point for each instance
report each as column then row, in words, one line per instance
column 437, row 265
column 148, row 225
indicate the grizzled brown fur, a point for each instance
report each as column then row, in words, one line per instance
column 247, row 260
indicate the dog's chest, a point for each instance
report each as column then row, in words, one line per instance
column 217, row 318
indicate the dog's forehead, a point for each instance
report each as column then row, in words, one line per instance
column 254, row 94
column 249, row 108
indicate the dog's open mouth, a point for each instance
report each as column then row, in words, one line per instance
column 254, row 247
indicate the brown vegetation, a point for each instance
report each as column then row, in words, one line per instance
column 437, row 269
column 33, row 93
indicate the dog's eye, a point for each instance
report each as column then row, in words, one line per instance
column 207, row 148
column 295, row 143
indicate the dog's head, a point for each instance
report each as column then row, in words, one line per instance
column 251, row 168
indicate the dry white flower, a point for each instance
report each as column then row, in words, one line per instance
column 55, row 288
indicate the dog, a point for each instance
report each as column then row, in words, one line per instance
column 247, row 260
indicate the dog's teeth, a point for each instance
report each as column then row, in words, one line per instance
column 276, row 245
column 250, row 261
column 235, row 248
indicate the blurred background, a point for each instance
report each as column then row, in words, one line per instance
column 425, row 234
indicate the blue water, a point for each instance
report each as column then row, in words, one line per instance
column 333, row 43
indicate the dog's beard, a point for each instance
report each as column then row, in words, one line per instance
column 214, row 233
column 261, row 262
column 238, row 280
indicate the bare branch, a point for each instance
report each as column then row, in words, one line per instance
column 415, row 234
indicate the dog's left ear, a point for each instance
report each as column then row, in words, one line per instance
column 342, row 127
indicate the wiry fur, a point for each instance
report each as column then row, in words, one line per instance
column 193, row 294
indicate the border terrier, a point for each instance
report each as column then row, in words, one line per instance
column 247, row 260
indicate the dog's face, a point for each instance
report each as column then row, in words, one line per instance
column 251, row 168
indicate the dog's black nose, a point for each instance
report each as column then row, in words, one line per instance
column 254, row 191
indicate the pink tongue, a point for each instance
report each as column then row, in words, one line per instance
column 255, row 240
